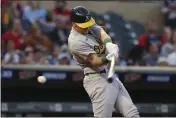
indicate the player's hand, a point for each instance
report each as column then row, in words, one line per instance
column 112, row 48
column 110, row 56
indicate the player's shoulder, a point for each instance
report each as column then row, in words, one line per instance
column 76, row 39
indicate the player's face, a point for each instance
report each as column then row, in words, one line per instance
column 85, row 30
column 81, row 30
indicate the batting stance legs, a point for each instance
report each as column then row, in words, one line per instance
column 107, row 96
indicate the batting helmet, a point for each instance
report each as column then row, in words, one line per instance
column 81, row 17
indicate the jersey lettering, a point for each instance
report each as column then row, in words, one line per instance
column 99, row 49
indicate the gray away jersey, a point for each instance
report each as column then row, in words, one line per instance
column 81, row 46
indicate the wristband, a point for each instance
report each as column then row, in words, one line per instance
column 104, row 59
column 108, row 40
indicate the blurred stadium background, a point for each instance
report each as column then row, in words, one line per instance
column 34, row 42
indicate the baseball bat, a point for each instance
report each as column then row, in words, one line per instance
column 111, row 70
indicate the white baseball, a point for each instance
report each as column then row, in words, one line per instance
column 41, row 79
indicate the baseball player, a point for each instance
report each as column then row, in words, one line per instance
column 93, row 52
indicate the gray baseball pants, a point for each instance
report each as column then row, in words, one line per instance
column 107, row 96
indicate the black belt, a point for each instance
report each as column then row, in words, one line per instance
column 101, row 72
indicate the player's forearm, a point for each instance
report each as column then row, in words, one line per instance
column 106, row 39
column 110, row 47
column 97, row 61
column 100, row 61
column 104, row 36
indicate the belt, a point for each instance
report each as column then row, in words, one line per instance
column 101, row 72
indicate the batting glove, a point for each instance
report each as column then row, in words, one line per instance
column 109, row 56
column 112, row 49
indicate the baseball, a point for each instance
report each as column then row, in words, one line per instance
column 41, row 79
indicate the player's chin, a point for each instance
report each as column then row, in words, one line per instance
column 85, row 30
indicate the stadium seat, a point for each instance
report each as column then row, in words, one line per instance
column 137, row 27
column 96, row 16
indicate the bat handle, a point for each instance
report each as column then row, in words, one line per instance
column 111, row 70
column 110, row 80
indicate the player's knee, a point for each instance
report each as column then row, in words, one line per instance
column 103, row 113
column 132, row 111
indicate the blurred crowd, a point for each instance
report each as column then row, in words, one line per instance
column 33, row 35
column 154, row 47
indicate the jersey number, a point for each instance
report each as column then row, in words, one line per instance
column 99, row 49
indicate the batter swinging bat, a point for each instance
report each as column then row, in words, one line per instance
column 111, row 70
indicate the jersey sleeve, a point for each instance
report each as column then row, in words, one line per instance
column 82, row 50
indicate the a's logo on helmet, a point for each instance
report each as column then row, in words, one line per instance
column 87, row 18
